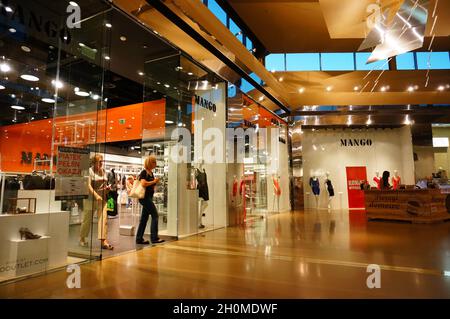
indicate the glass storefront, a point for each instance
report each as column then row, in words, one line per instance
column 85, row 103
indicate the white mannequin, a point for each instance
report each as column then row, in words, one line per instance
column 327, row 174
column 396, row 180
column 276, row 191
column 376, row 179
column 202, row 204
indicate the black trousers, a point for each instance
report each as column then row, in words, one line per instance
column 148, row 209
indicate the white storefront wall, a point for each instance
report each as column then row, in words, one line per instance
column 390, row 149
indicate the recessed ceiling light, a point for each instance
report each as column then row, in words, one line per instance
column 17, row 107
column 8, row 9
column 329, row 88
column 2, row 87
column 167, row 85
column 123, row 38
column 58, row 84
column 12, row 30
column 441, row 88
column 154, row 91
column 108, row 25
column 383, row 89
column 261, row 98
column 156, row 32
column 280, row 79
column 301, row 90
column 95, row 97
column 410, row 89
column 73, row 3
column 25, row 48
column 81, row 44
column 169, row 122
column 107, row 57
column 48, row 100
column 4, row 67
column 81, row 93
column 356, row 88
column 13, row 96
column 140, row 73
column 29, row 77
column 190, row 73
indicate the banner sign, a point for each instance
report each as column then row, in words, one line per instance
column 72, row 173
column 355, row 177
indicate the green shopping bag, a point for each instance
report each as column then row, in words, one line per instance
column 110, row 205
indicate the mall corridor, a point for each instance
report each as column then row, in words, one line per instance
column 291, row 255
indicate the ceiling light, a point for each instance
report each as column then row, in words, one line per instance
column 156, row 32
column 13, row 96
column 383, row 88
column 29, row 77
column 4, row 67
column 329, row 88
column 167, row 85
column 410, row 89
column 25, row 48
column 369, row 120
column 261, row 98
column 48, row 100
column 81, row 44
column 301, row 90
column 107, row 57
column 81, row 93
column 169, row 122
column 141, row 73
column 108, row 25
column 17, row 107
column 280, row 79
column 2, row 87
column 58, row 84
column 356, row 88
column 190, row 73
column 441, row 88
column 8, row 9
column 12, row 30
column 123, row 38
column 407, row 120
column 95, row 97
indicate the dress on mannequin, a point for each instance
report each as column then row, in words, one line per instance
column 330, row 190
column 396, row 181
column 203, row 193
column 315, row 187
column 377, row 180
column 276, row 192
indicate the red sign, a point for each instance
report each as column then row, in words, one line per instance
column 355, row 177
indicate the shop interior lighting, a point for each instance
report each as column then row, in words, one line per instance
column 57, row 84
column 17, row 107
column 95, row 97
column 369, row 120
column 169, row 122
column 81, row 93
column 81, row 44
column 29, row 77
column 108, row 25
column 329, row 88
column 141, row 73
column 280, row 79
column 48, row 100
column 12, row 30
column 123, row 38
column 441, row 88
column 2, row 87
column 410, row 89
column 301, row 90
column 4, row 67
column 107, row 57
column 25, row 48
column 8, row 9
column 440, row 142
column 190, row 73
column 356, row 88
column 167, row 85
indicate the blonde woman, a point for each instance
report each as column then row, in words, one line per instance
column 148, row 181
column 98, row 187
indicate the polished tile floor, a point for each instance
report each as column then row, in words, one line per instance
column 291, row 255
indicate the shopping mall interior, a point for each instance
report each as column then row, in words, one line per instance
column 308, row 140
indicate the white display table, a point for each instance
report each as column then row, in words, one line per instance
column 22, row 257
column 45, row 199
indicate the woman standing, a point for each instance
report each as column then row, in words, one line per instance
column 98, row 187
column 384, row 183
column 148, row 181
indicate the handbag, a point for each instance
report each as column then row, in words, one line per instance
column 138, row 191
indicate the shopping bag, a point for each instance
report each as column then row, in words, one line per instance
column 138, row 191
column 110, row 205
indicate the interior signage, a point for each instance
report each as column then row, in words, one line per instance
column 27, row 158
column 206, row 104
column 34, row 21
column 356, row 142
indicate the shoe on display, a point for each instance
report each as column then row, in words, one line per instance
column 201, row 226
column 158, row 241
column 83, row 243
column 142, row 242
column 25, row 232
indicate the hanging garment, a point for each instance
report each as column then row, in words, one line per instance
column 235, row 187
column 315, row 186
column 202, row 184
column 396, row 181
column 330, row 188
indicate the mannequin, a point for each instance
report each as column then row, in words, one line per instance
column 396, row 181
column 242, row 193
column 315, row 187
column 377, row 179
column 203, row 192
column 276, row 191
column 330, row 189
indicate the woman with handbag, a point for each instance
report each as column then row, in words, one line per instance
column 98, row 188
column 148, row 181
